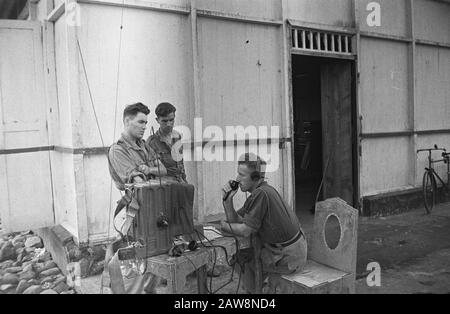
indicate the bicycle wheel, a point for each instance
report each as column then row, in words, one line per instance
column 429, row 191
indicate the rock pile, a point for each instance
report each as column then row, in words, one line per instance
column 27, row 268
column 90, row 258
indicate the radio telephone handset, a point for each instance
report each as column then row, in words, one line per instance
column 234, row 186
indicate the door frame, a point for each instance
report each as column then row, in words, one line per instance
column 356, row 129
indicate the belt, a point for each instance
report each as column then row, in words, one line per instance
column 289, row 242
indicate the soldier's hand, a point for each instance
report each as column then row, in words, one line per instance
column 225, row 226
column 138, row 180
column 227, row 189
column 144, row 169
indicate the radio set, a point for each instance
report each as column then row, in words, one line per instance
column 165, row 211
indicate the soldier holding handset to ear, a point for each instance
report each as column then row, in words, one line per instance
column 266, row 215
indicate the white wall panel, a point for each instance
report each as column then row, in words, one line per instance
column 240, row 73
column 384, row 91
column 386, row 165
column 336, row 12
column 433, row 88
column 394, row 17
column 432, row 20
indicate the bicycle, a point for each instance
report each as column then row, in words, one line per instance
column 429, row 185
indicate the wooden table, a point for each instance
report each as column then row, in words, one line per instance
column 175, row 269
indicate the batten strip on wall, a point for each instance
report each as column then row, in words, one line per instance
column 103, row 150
column 143, row 5
column 26, row 150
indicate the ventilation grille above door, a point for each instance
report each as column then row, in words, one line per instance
column 321, row 41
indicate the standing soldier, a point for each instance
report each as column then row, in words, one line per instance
column 131, row 161
column 164, row 142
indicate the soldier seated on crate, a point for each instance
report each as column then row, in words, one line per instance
column 265, row 215
column 166, row 142
column 130, row 159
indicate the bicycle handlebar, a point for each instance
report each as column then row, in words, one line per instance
column 432, row 149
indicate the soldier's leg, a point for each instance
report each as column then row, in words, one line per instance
column 247, row 277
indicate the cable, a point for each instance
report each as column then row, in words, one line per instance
column 215, row 259
column 215, row 246
column 209, row 252
column 228, row 236
column 215, row 256
column 233, row 265
column 227, row 283
column 237, row 252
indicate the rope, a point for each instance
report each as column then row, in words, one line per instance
column 90, row 92
column 115, row 124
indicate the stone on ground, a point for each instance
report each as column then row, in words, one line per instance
column 22, row 286
column 10, row 278
column 34, row 241
column 7, row 252
column 50, row 272
column 33, row 290
column 26, row 267
column 27, row 275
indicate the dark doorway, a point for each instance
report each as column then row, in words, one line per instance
column 323, row 102
column 11, row 9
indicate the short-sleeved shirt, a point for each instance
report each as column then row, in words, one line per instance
column 125, row 157
column 266, row 211
column 165, row 147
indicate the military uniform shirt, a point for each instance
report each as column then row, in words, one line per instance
column 164, row 147
column 126, row 156
column 267, row 213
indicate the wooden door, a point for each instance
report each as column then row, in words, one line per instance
column 336, row 97
column 25, row 182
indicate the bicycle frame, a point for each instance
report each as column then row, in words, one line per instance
column 445, row 159
column 429, row 185
column 437, row 176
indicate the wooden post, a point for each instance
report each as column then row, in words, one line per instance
column 74, row 76
column 287, row 154
column 412, row 89
column 356, row 49
column 197, row 109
